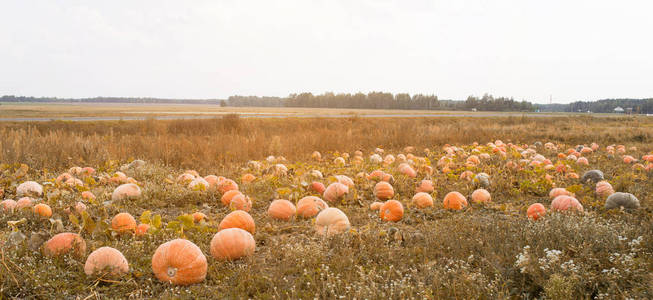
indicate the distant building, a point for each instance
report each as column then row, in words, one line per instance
column 629, row 110
column 619, row 110
column 473, row 109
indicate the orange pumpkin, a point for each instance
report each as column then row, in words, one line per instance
column 425, row 186
column 106, row 261
column 376, row 205
column 24, row 202
column 376, row 175
column 468, row 175
column 241, row 202
column 383, row 191
column 232, row 244
column 481, row 196
column 345, row 180
column 535, row 211
column 179, row 262
column 64, row 243
column 604, row 189
column 335, row 192
column 310, row 206
column 227, row 185
column 238, row 219
column 141, row 229
column 318, row 187
column 455, row 201
column 198, row 217
column 8, row 205
column 63, row 177
column 422, row 200
column 86, row 195
column 125, row 192
column 42, row 210
column 228, row 196
column 331, row 221
column 566, row 203
column 123, row 223
column 282, row 210
column 248, row 178
column 391, row 210
column 407, row 170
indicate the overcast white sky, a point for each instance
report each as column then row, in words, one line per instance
column 573, row 50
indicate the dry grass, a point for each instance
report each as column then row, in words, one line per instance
column 486, row 251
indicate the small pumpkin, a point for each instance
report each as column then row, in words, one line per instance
column 24, row 202
column 238, row 219
column 383, row 191
column 227, row 185
column 425, row 186
column 106, row 261
column 247, row 178
column 199, row 216
column 241, row 202
column 345, row 180
column 535, row 211
column 455, row 201
column 8, row 205
column 310, row 206
column 604, row 189
column 407, row 170
column 282, row 209
column 232, row 244
column 64, row 243
column 126, row 191
column 228, row 196
column 376, row 205
column 391, row 210
column 335, row 192
column 331, row 221
column 318, row 187
column 422, row 200
column 179, row 262
column 123, row 223
column 198, row 184
column 141, row 229
column 555, row 192
column 87, row 195
column 566, row 203
column 42, row 210
column 481, row 196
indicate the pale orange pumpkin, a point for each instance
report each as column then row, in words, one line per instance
column 227, row 185
column 241, row 202
column 376, row 205
column 74, row 182
column 141, row 229
column 238, row 219
column 318, row 187
column 535, row 211
column 30, row 189
column 383, row 191
column 331, row 221
column 422, row 200
column 123, row 223
column 106, row 262
column 455, row 201
column 42, row 210
column 232, row 244
column 555, row 192
column 80, row 207
column 247, row 178
column 87, row 195
column 64, row 243
column 310, row 206
column 198, row 216
column 604, row 189
column 8, row 205
column 391, row 210
column 481, row 196
column 467, row 175
column 179, row 262
column 63, row 177
column 125, row 192
column 345, row 180
column 425, row 186
column 335, row 192
column 24, row 202
column 407, row 170
column 566, row 203
column 282, row 210
column 228, row 196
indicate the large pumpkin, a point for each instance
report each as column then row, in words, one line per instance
column 566, row 203
column 345, row 180
column 126, row 191
column 179, row 262
column 481, row 196
column 335, row 192
column 64, row 243
column 226, row 197
column 106, row 261
column 29, row 188
column 391, row 210
column 241, row 202
column 227, row 185
column 238, row 219
column 383, row 191
column 455, row 201
column 422, row 200
column 619, row 199
column 331, row 221
column 123, row 223
column 282, row 209
column 310, row 206
column 535, row 211
column 232, row 244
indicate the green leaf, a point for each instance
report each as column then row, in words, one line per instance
column 73, row 219
column 173, row 225
column 156, row 221
column 88, row 223
column 146, row 217
column 187, row 221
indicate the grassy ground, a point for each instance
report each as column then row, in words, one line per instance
column 484, row 251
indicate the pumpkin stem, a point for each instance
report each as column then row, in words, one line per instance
column 172, row 271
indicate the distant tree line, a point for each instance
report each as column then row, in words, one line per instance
column 639, row 106
column 11, row 98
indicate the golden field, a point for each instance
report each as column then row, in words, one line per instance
column 485, row 250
